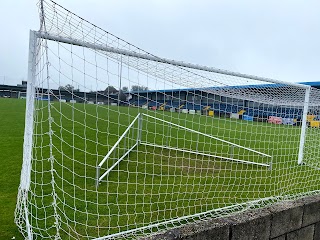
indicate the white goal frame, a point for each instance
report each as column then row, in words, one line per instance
column 28, row 134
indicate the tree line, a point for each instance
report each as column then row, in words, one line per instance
column 134, row 88
column 108, row 90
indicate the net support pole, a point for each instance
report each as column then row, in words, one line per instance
column 98, row 168
column 231, row 151
column 139, row 132
column 28, row 130
column 304, row 125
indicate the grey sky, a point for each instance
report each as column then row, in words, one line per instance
column 277, row 39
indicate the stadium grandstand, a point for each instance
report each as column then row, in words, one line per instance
column 218, row 101
column 62, row 94
column 210, row 101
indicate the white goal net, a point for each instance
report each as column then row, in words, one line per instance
column 120, row 143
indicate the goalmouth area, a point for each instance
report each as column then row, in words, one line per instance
column 122, row 170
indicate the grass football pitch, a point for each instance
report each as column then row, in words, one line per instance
column 147, row 182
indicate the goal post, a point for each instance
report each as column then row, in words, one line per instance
column 304, row 125
column 120, row 143
column 22, row 210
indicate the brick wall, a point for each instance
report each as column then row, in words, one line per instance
column 289, row 220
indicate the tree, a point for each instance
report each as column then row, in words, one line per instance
column 69, row 88
column 110, row 90
column 125, row 89
column 121, row 96
column 136, row 88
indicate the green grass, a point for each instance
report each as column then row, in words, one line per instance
column 11, row 141
column 152, row 184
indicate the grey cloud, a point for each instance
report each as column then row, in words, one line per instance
column 278, row 39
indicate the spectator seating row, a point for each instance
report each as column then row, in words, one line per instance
column 223, row 108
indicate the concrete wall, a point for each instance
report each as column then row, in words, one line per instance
column 289, row 220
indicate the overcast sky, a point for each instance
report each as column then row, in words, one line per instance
column 272, row 38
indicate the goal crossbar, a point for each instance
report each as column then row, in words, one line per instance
column 139, row 142
column 150, row 57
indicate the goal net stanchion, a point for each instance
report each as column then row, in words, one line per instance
column 114, row 147
column 142, row 144
column 139, row 118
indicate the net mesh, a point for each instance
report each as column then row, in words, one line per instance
column 125, row 144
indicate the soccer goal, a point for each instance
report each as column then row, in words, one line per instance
column 120, row 143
